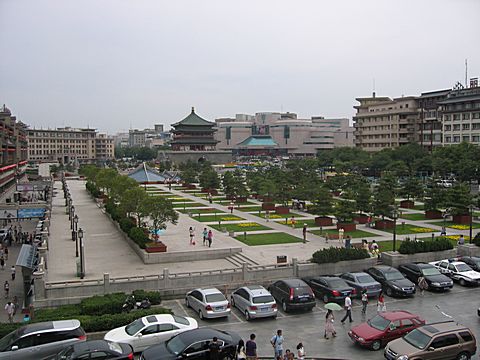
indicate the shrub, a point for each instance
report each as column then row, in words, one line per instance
column 138, row 236
column 126, row 224
column 413, row 247
column 60, row 313
column 334, row 254
column 92, row 189
column 153, row 296
column 100, row 305
column 476, row 239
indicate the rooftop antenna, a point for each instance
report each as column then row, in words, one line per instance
column 373, row 87
column 466, row 72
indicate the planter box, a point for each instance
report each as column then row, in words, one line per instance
column 361, row 219
column 190, row 186
column 395, row 258
column 229, row 197
column 159, row 247
column 433, row 214
column 241, row 199
column 268, row 206
column 384, row 224
column 461, row 219
column 468, row 250
column 282, row 210
column 347, row 226
column 407, row 204
column 266, row 199
column 323, row 221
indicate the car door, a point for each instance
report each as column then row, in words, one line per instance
column 23, row 348
column 443, row 267
column 101, row 355
column 165, row 332
column 393, row 331
column 452, row 270
column 350, row 280
column 406, row 326
column 146, row 337
column 274, row 290
column 195, row 300
column 319, row 286
column 243, row 300
column 198, row 350
column 445, row 347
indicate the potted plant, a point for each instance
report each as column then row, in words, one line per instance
column 459, row 200
column 434, row 200
column 322, row 206
column 343, row 211
column 412, row 189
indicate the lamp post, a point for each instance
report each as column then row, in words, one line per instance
column 74, row 230
column 72, row 213
column 82, row 254
column 395, row 216
column 471, row 216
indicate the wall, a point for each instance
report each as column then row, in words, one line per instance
column 395, row 259
column 177, row 157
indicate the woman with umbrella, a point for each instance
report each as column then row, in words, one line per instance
column 330, row 319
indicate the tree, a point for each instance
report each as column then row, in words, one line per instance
column 105, row 179
column 209, row 179
column 119, row 185
column 412, row 188
column 239, row 184
column 361, row 194
column 132, row 203
column 189, row 175
column 228, row 183
column 160, row 211
column 384, row 198
column 323, row 202
column 459, row 199
column 267, row 188
column 343, row 210
column 434, row 197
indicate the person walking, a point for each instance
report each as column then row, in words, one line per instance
column 348, row 242
column 304, row 232
column 13, row 271
column 329, row 324
column 2, row 262
column 10, row 310
column 443, row 232
column 364, row 301
column 381, row 307
column 267, row 216
column 214, row 348
column 210, row 238
column 6, row 253
column 191, row 231
column 251, row 348
column 300, row 352
column 348, row 309
column 461, row 240
column 210, row 199
column 277, row 343
column 205, row 235
column 293, row 222
column 241, row 355
column 422, row 285
column 341, row 231
column 6, row 288
column 231, row 206
column 15, row 305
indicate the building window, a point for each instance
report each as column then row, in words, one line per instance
column 466, row 127
column 475, row 138
column 456, row 139
column 476, row 115
column 456, row 127
column 228, row 133
column 447, row 127
column 446, row 117
column 466, row 116
column 466, row 138
column 475, row 126
column 456, row 116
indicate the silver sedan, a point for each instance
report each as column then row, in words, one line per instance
column 208, row 303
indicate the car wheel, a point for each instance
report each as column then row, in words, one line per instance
column 463, row 282
column 389, row 291
column 200, row 314
column 187, row 303
column 284, row 306
column 376, row 345
column 463, row 356
column 325, row 298
column 247, row 316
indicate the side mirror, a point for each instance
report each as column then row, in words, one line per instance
column 14, row 348
column 139, row 335
column 431, row 348
column 391, row 327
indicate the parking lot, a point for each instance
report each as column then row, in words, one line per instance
column 461, row 303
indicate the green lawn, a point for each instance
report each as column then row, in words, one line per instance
column 178, row 205
column 353, row 234
column 419, row 207
column 201, row 211
column 221, row 217
column 410, row 229
column 452, row 225
column 413, row 217
column 268, row 239
column 274, row 216
column 249, row 208
column 238, row 227
column 227, row 202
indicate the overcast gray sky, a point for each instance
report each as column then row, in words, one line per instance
column 112, row 64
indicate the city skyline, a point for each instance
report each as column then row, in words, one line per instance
column 119, row 65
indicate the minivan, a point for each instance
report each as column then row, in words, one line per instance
column 293, row 294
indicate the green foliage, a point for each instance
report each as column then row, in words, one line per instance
column 335, row 254
column 476, row 239
column 459, row 199
column 92, row 189
column 160, row 211
column 89, row 171
column 138, row 236
column 384, row 198
column 413, row 247
column 412, row 188
column 131, row 202
column 434, row 197
column 344, row 210
column 189, row 175
column 100, row 305
column 126, row 224
column 154, row 296
column 359, row 192
column 136, row 152
column 209, row 178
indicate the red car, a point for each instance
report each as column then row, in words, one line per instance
column 384, row 327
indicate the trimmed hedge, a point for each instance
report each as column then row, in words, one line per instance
column 101, row 305
column 334, row 254
column 138, row 236
column 92, row 189
column 413, row 247
column 153, row 296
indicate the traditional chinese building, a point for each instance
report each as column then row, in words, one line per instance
column 193, row 134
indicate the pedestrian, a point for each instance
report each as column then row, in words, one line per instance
column 341, row 231
column 267, row 215
column 6, row 287
column 241, row 355
column 329, row 324
column 210, row 199
column 251, row 348
column 364, row 301
column 230, row 207
column 422, row 285
column 214, row 348
column 2, row 263
column 293, row 222
column 191, row 231
column 348, row 309
column 13, row 271
column 15, row 304
column 300, row 352
column 304, row 232
column 288, row 355
column 461, row 240
column 10, row 309
column 375, row 249
column 6, row 253
column 210, row 238
column 277, row 343
column 205, row 234
column 443, row 232
column 381, row 307
column 348, row 242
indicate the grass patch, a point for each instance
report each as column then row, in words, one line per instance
column 273, row 216
column 249, row 208
column 452, row 225
column 353, row 234
column 248, row 226
column 268, row 239
column 403, row 229
column 221, row 217
column 178, row 205
column 201, row 211
column 413, row 217
column 419, row 207
column 227, row 202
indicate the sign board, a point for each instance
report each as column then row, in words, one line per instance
column 281, row 259
column 32, row 186
column 30, row 213
column 8, row 214
column 24, row 187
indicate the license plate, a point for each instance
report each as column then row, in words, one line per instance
column 219, row 308
column 345, row 293
column 265, row 309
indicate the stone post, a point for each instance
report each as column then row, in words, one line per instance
column 106, row 283
column 295, row 267
column 244, row 271
column 166, row 278
column 40, row 292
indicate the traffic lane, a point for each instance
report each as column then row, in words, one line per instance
column 461, row 303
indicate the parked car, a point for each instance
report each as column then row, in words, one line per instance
column 254, row 301
column 458, row 271
column 392, row 280
column 194, row 345
column 362, row 281
column 433, row 277
column 96, row 349
column 472, row 261
column 208, row 303
column 40, row 340
column 330, row 288
column 293, row 294
column 445, row 340
column 384, row 327
column 151, row 329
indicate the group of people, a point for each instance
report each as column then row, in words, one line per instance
column 248, row 350
column 207, row 236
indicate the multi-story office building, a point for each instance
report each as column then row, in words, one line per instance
column 68, row 144
column 273, row 134
column 137, row 138
column 429, row 129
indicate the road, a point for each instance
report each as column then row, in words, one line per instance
column 461, row 303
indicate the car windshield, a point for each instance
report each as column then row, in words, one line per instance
column 263, row 299
column 181, row 320
column 214, row 298
column 134, row 327
column 378, row 322
column 337, row 283
column 463, row 268
column 7, row 340
column 364, row 279
column 176, row 345
column 393, row 275
column 430, row 271
column 65, row 354
column 417, row 338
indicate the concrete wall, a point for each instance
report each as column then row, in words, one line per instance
column 468, row 250
column 177, row 157
column 395, row 259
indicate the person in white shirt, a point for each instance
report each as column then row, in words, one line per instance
column 348, row 308
column 10, row 309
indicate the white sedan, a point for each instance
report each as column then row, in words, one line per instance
column 151, row 330
column 458, row 271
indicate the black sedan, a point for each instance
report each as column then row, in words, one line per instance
column 433, row 277
column 330, row 288
column 392, row 280
column 472, row 261
column 96, row 349
column 193, row 344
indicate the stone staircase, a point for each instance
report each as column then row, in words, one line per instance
column 239, row 258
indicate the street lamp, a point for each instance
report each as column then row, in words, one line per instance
column 82, row 254
column 471, row 216
column 72, row 212
column 74, row 230
column 395, row 217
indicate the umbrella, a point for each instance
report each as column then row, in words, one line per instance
column 333, row 306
